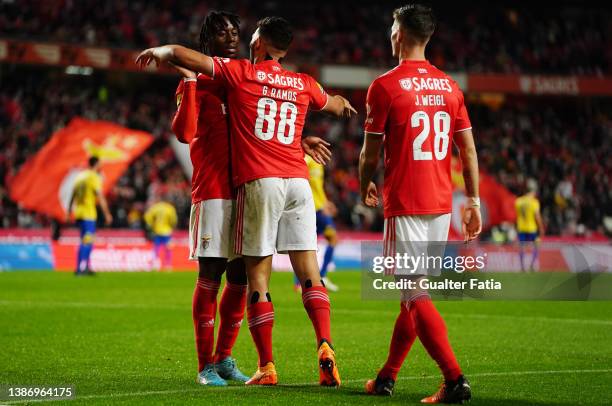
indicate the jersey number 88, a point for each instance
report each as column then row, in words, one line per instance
column 266, row 114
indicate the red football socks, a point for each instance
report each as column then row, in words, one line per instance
column 231, row 313
column 316, row 303
column 432, row 332
column 404, row 334
column 261, row 320
column 204, row 311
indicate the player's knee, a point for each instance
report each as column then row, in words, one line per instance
column 88, row 239
column 332, row 236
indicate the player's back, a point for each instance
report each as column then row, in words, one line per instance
column 418, row 108
column 86, row 186
column 526, row 207
column 268, row 107
column 316, row 172
column 161, row 217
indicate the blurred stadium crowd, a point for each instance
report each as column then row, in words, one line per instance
column 486, row 37
column 563, row 143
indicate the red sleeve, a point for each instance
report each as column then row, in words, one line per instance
column 377, row 108
column 229, row 71
column 318, row 95
column 462, row 121
column 185, row 122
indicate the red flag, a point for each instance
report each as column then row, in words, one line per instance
column 44, row 183
column 496, row 202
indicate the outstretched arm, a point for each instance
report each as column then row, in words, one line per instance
column 339, row 106
column 177, row 55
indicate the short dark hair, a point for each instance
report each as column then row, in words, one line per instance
column 213, row 23
column 418, row 19
column 93, row 161
column 277, row 31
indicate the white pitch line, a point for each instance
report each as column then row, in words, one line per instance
column 336, row 310
column 290, row 385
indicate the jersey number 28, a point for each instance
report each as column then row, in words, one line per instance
column 441, row 127
column 265, row 125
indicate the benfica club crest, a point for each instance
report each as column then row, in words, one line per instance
column 406, row 84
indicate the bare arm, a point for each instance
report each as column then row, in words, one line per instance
column 540, row 223
column 339, row 106
column 472, row 223
column 177, row 55
column 108, row 218
column 368, row 161
column 69, row 210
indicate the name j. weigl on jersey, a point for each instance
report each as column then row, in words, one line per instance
column 417, row 84
column 280, row 80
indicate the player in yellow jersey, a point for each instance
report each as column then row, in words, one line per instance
column 86, row 193
column 528, row 222
column 161, row 219
column 325, row 210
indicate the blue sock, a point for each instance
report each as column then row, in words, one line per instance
column 327, row 259
column 87, row 255
column 534, row 256
column 80, row 257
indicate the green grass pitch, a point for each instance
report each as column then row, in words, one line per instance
column 128, row 338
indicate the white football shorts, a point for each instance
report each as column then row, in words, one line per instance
column 275, row 214
column 211, row 233
column 417, row 236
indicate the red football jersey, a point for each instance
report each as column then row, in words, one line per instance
column 267, row 107
column 201, row 120
column 417, row 108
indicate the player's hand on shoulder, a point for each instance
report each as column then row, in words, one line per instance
column 156, row 54
column 184, row 72
column 369, row 197
column 471, row 224
column 317, row 148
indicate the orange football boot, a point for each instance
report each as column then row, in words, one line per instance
column 457, row 391
column 265, row 375
column 328, row 370
column 380, row 386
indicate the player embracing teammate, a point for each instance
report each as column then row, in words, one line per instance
column 275, row 211
column 201, row 121
column 416, row 111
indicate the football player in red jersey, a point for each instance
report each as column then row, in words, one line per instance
column 267, row 109
column 416, row 111
column 201, row 121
